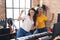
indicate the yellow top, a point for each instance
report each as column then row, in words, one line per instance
column 41, row 21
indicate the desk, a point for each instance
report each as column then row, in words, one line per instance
column 7, row 36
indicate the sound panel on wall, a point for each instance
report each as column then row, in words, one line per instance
column 58, row 19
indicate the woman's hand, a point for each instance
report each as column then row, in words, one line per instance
column 52, row 17
column 20, row 18
column 22, row 11
column 33, row 27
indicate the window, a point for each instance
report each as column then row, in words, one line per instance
column 13, row 7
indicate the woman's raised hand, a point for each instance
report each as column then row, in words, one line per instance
column 19, row 18
column 22, row 11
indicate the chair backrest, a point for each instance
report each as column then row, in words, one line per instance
column 56, row 29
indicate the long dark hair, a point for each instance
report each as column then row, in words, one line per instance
column 34, row 17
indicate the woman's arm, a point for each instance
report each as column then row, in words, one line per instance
column 20, row 18
column 50, row 21
column 52, row 18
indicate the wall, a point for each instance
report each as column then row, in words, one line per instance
column 2, row 9
column 53, row 7
column 35, row 3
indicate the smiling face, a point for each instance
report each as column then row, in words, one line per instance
column 40, row 10
column 32, row 13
